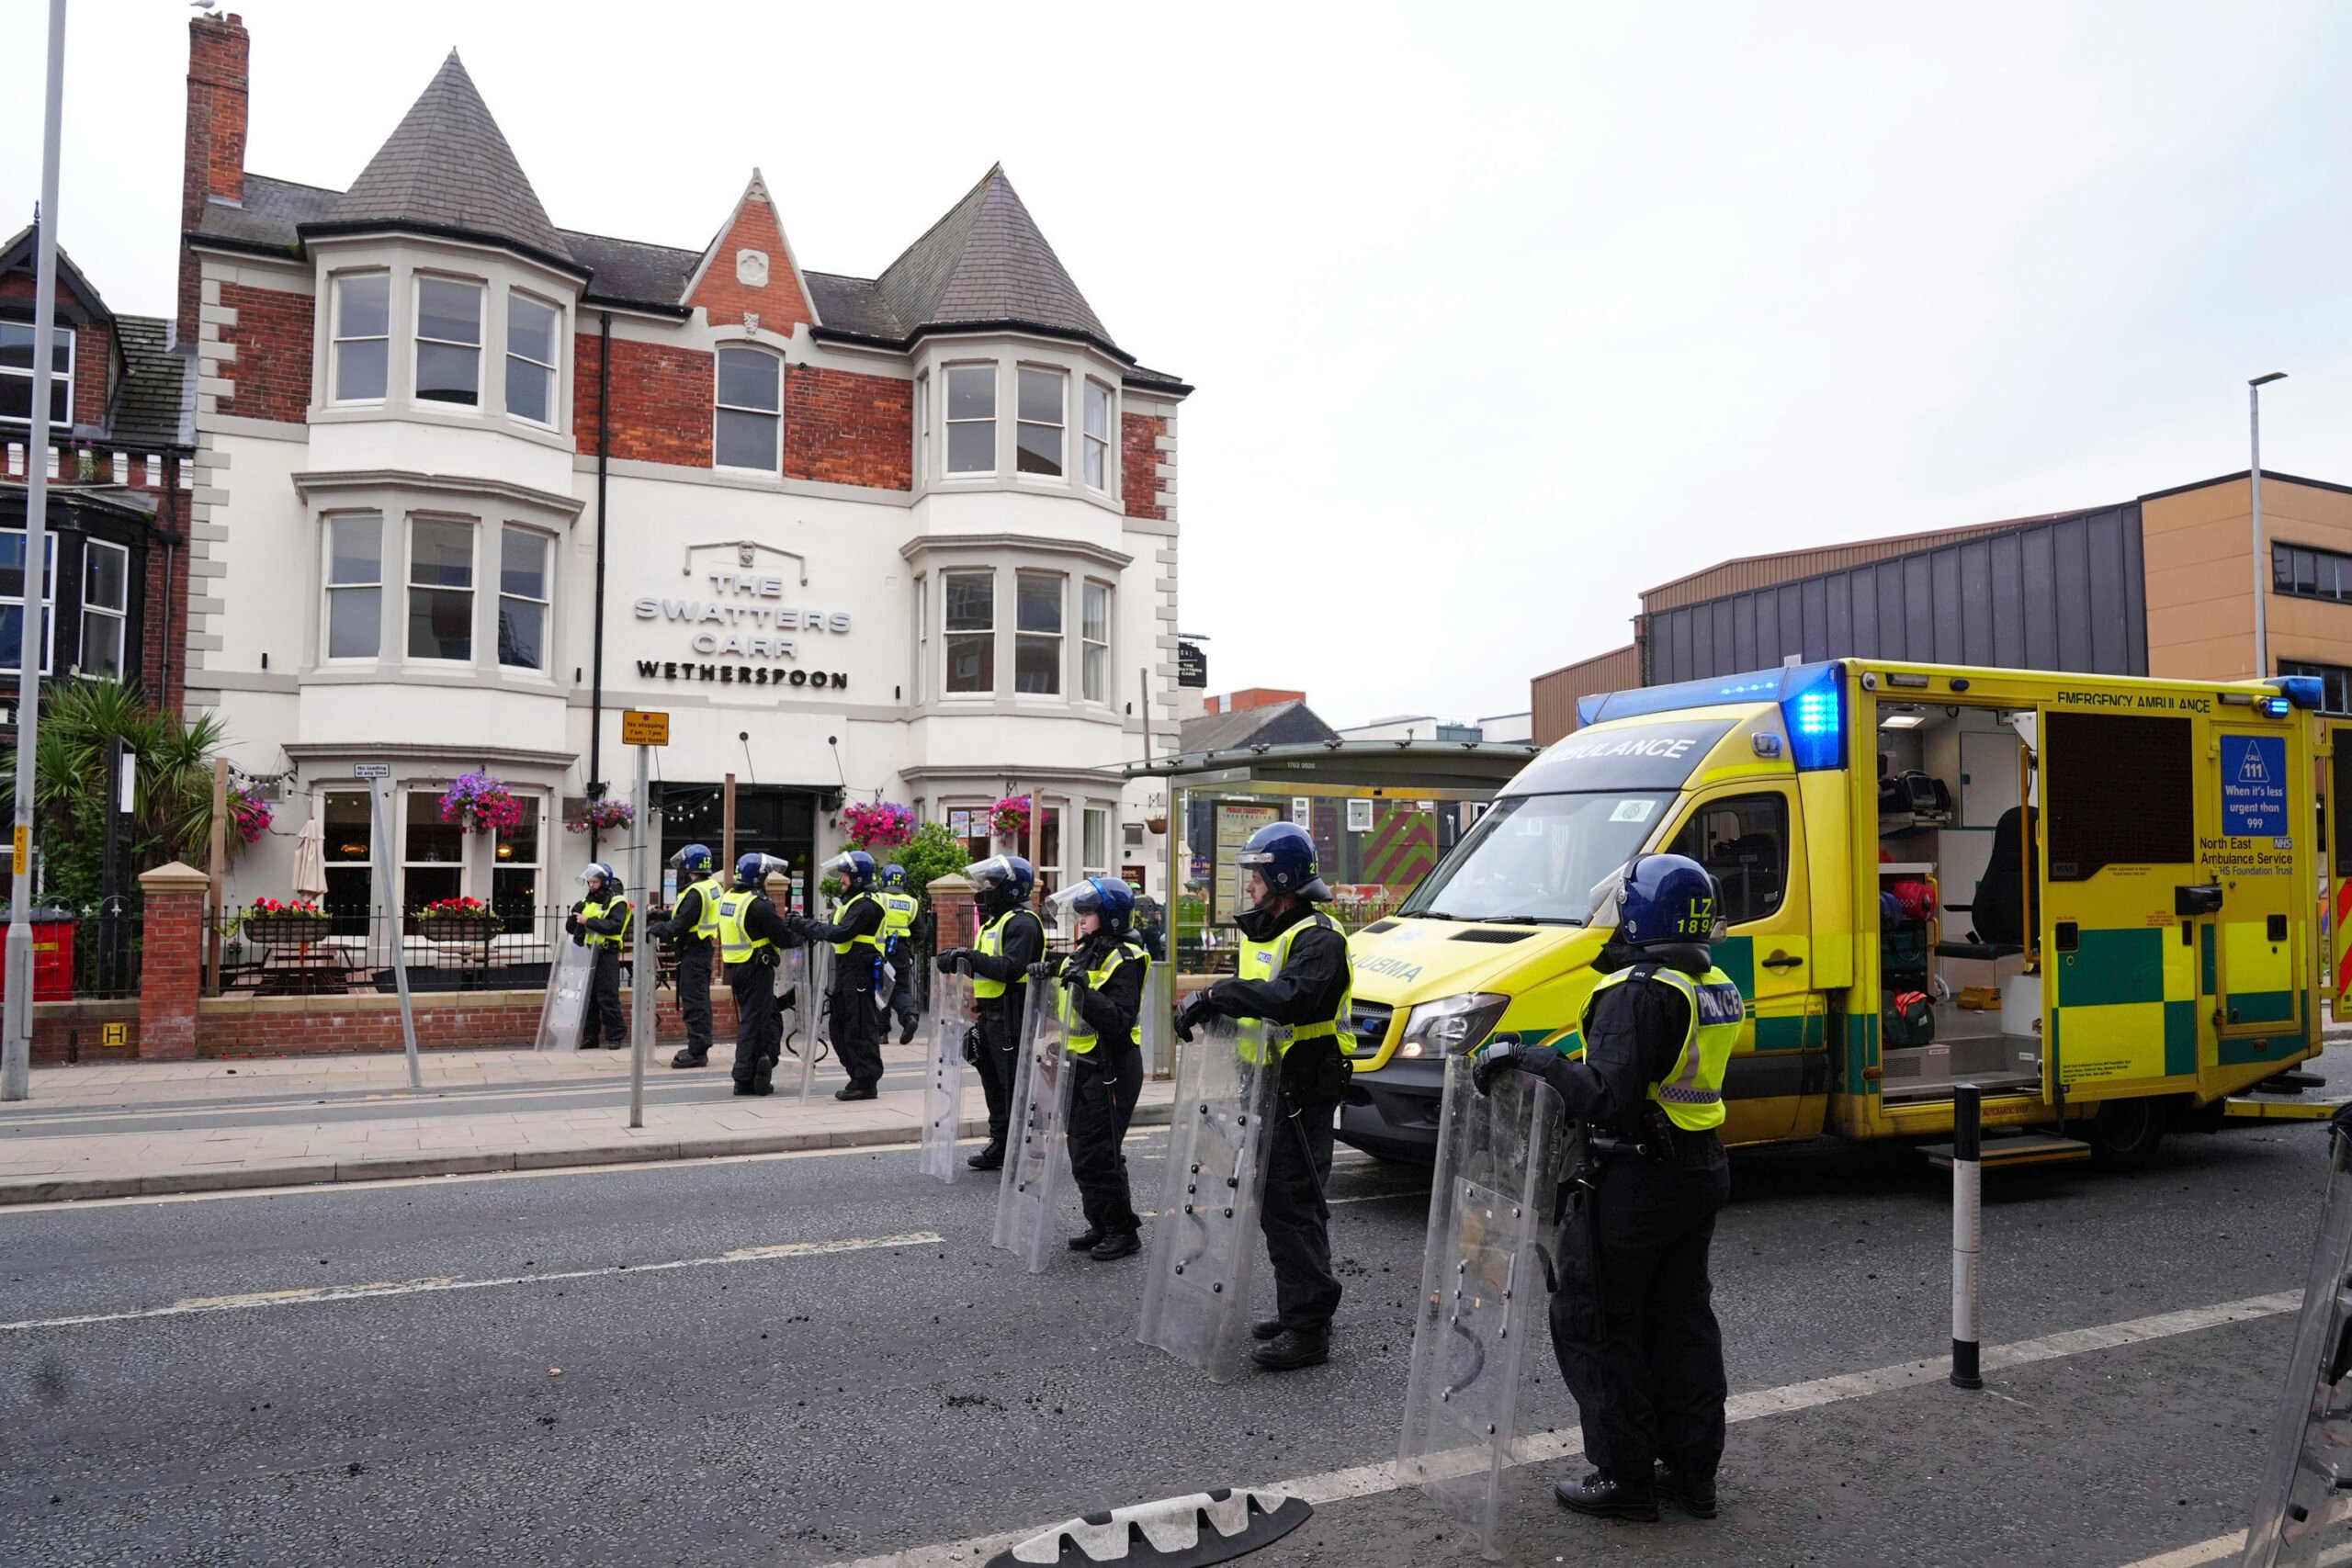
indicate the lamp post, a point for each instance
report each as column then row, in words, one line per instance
column 2262, row 573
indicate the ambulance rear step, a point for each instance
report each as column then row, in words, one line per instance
column 2005, row 1149
column 2261, row 1108
column 2290, row 1082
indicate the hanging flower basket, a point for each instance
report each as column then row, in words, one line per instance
column 248, row 818
column 457, row 920
column 481, row 803
column 292, row 924
column 603, row 815
column 1009, row 818
column 883, row 826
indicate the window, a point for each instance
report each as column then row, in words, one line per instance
column 1037, row 639
column 971, row 631
column 1094, row 636
column 1049, row 848
column 363, row 325
column 514, row 874
column 16, row 376
column 1042, row 403
column 355, row 587
column 523, row 599
column 105, row 585
column 350, row 833
column 922, row 641
column 448, row 341
column 2318, row 574
column 1097, row 460
column 922, row 428
column 1744, row 843
column 1095, row 842
column 971, row 419
column 12, row 600
column 750, row 410
column 441, row 590
column 432, row 852
column 531, row 358
column 2335, row 681
column 2083, row 756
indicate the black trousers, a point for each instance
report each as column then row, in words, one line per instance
column 1296, row 1220
column 903, row 990
column 855, row 1023
column 604, row 1002
column 694, row 995
column 1000, row 1058
column 1633, row 1322
column 759, row 1026
column 1103, row 1095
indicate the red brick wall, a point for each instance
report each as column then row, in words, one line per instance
column 212, row 154
column 73, row 1031
column 443, row 1022
column 848, row 429
column 171, row 976
column 1140, row 436
column 661, row 400
column 93, row 351
column 778, row 302
column 272, row 370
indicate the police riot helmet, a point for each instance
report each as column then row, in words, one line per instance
column 894, row 876
column 597, row 871
column 1007, row 877
column 1659, row 899
column 1282, row 856
column 695, row 858
column 752, row 871
column 855, row 867
column 1111, row 901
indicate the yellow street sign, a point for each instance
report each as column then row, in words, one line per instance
column 118, row 1034
column 644, row 728
column 22, row 849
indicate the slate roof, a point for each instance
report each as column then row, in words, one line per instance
column 448, row 166
column 271, row 217
column 854, row 305
column 1289, row 723
column 147, row 404
column 628, row 272
column 985, row 261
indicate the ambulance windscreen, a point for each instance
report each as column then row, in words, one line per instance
column 1536, row 859
column 1630, row 756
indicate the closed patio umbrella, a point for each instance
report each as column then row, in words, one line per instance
column 311, row 859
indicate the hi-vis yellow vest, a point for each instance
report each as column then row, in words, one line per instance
column 594, row 909
column 1079, row 1034
column 1692, row 1094
column 899, row 910
column 707, row 922
column 1265, row 960
column 736, row 943
column 991, row 942
column 841, row 913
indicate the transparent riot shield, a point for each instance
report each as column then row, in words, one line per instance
column 947, row 1023
column 1036, row 1160
column 566, row 1003
column 1502, row 1159
column 1205, row 1241
column 814, row 1015
column 1157, row 1020
column 2306, row 1496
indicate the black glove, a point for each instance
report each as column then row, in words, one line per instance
column 1197, row 1007
column 953, row 959
column 1492, row 1062
column 1074, row 968
column 1077, row 987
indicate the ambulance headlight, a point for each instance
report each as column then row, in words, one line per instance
column 1451, row 1025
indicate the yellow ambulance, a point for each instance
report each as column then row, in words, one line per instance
column 2093, row 897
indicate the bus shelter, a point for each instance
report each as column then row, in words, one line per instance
column 1381, row 812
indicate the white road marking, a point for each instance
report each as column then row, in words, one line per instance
column 197, row 1305
column 2221, row 1548
column 1370, row 1480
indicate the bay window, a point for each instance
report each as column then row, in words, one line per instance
column 363, row 335
column 106, row 605
column 970, row 603
column 523, row 598
column 16, row 377
column 971, row 419
column 1094, row 843
column 1096, row 464
column 516, row 863
column 12, row 600
column 1037, row 635
column 1042, row 414
column 432, row 852
column 355, row 611
column 531, row 358
column 1094, row 637
column 448, row 341
column 441, row 590
column 751, row 411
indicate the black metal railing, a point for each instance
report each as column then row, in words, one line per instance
column 354, row 952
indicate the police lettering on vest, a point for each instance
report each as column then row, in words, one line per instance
column 736, row 943
column 842, row 913
column 1079, row 1034
column 1691, row 1093
column 594, row 909
column 898, row 911
column 1265, row 960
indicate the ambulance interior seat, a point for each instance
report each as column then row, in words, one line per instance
column 1747, row 869
column 1999, row 911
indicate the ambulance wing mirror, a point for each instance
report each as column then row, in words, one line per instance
column 2189, row 902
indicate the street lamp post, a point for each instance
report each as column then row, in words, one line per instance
column 2261, row 573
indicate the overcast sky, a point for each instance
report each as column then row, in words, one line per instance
column 1496, row 315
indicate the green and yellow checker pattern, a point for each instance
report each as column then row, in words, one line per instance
column 2127, row 1007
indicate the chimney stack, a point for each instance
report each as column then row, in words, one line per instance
column 213, row 160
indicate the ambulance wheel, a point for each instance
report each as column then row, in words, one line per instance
column 2125, row 1133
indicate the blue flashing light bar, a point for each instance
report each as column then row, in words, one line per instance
column 2273, row 707
column 2305, row 692
column 1811, row 699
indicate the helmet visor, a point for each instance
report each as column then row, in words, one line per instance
column 841, row 864
column 595, row 869
column 1607, row 900
column 1080, row 898
column 995, row 869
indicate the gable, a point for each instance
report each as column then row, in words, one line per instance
column 750, row 273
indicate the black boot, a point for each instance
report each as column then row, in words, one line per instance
column 1604, row 1497
column 1294, row 1348
column 764, row 1078
column 691, row 1058
column 907, row 1032
column 990, row 1158
column 853, row 1091
column 1088, row 1241
column 1117, row 1244
column 1265, row 1328
column 743, row 1087
column 1694, row 1495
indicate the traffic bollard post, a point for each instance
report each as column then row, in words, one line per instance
column 1967, row 1229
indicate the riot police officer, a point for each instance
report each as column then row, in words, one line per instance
column 855, row 931
column 899, row 909
column 1011, row 939
column 693, row 927
column 1293, row 971
column 1632, row 1321
column 600, row 922
column 1102, row 1004
column 750, row 933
